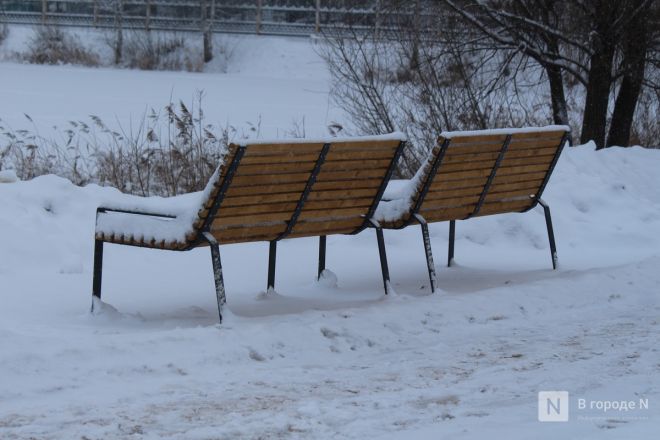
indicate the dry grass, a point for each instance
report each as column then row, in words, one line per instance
column 50, row 45
column 170, row 152
column 160, row 52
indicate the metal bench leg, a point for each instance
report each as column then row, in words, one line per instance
column 427, row 250
column 452, row 238
column 217, row 272
column 272, row 257
column 98, row 270
column 383, row 259
column 551, row 233
column 322, row 245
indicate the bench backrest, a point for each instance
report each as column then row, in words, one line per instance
column 476, row 173
column 269, row 191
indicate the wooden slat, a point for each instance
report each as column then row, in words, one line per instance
column 475, row 148
column 347, row 184
column 261, row 198
column 453, row 157
column 506, row 162
column 496, row 145
column 280, row 168
column 461, row 175
column 256, row 219
column 467, row 166
column 451, row 202
column 358, row 154
column 274, row 179
column 365, row 146
column 522, row 177
column 326, row 176
column 249, row 210
column 341, row 203
column 442, row 183
column 478, row 138
column 235, row 191
column 432, row 215
column 533, row 144
column 332, row 213
column 325, row 228
column 347, row 165
column 506, row 170
column 539, row 135
column 450, row 193
column 503, row 187
column 501, row 207
column 283, row 148
column 516, row 193
column 279, row 157
column 341, row 194
column 244, row 234
column 332, row 156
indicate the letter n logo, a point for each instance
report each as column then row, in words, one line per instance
column 553, row 406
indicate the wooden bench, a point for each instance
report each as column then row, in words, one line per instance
column 478, row 173
column 264, row 192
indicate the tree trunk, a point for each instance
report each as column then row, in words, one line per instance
column 594, row 121
column 559, row 107
column 634, row 63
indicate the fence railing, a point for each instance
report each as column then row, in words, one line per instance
column 268, row 17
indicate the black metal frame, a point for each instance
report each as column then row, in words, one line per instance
column 551, row 232
column 452, row 238
column 491, row 177
column 203, row 236
column 553, row 164
column 369, row 222
column 322, row 249
column 272, row 250
column 427, row 250
column 384, row 267
column 381, row 190
column 429, row 180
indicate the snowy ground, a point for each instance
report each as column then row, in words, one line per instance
column 322, row 361
column 276, row 84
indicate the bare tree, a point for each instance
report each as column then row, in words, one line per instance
column 418, row 74
column 582, row 39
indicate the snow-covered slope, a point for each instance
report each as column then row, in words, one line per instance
column 272, row 85
column 326, row 361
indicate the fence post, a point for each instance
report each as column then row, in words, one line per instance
column 96, row 13
column 44, row 11
column 378, row 18
column 258, row 19
column 317, row 24
column 147, row 16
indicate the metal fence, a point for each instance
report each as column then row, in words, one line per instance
column 269, row 17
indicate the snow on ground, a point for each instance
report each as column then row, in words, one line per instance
column 272, row 83
column 317, row 361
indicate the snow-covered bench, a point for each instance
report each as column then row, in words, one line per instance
column 263, row 191
column 476, row 173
